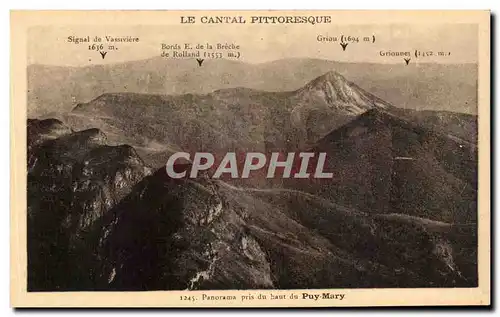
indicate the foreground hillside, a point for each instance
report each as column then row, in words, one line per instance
column 400, row 210
column 99, row 219
column 387, row 164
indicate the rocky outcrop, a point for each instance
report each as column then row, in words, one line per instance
column 180, row 234
column 99, row 220
column 74, row 179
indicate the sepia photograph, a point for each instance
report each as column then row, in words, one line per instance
column 253, row 158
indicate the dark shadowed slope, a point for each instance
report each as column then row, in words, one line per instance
column 99, row 220
column 459, row 125
column 74, row 178
column 386, row 164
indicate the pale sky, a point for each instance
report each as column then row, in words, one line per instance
column 258, row 42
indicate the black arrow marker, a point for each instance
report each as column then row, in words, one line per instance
column 200, row 61
column 103, row 54
column 407, row 60
column 344, row 45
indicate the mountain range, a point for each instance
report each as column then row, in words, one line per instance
column 400, row 210
column 421, row 86
column 241, row 119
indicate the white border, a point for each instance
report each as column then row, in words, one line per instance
column 148, row 4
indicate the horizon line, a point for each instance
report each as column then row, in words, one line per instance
column 244, row 62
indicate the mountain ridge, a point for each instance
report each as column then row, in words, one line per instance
column 400, row 210
column 205, row 234
column 243, row 118
column 409, row 87
column 396, row 164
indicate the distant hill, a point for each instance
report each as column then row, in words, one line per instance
column 417, row 86
column 383, row 163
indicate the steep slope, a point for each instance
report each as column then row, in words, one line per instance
column 328, row 102
column 458, row 125
column 371, row 250
column 99, row 220
column 385, row 164
column 333, row 90
column 74, row 179
column 179, row 234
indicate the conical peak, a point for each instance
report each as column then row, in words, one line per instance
column 331, row 77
